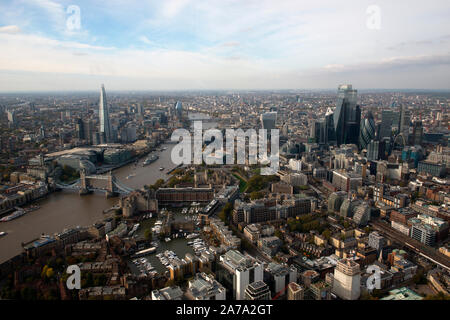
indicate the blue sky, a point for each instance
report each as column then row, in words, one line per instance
column 226, row 44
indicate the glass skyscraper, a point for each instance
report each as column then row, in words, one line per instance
column 105, row 126
column 347, row 116
column 387, row 121
column 269, row 120
column 367, row 132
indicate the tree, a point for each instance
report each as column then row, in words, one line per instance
column 226, row 211
column 256, row 195
column 278, row 234
column 44, row 272
column 148, row 234
column 326, row 234
column 49, row 273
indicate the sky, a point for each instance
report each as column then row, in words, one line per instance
column 51, row 45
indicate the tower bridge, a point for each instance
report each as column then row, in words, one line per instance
column 84, row 185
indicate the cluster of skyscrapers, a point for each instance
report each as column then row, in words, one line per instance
column 345, row 125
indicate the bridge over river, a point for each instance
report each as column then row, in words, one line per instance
column 111, row 186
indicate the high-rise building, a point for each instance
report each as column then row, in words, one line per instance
column 335, row 201
column 257, row 291
column 329, row 125
column 376, row 241
column 417, row 134
column 387, row 121
column 79, row 128
column 362, row 215
column 347, row 208
column 105, row 126
column 373, row 150
column 367, row 131
column 12, row 120
column 319, row 131
column 268, row 120
column 88, row 131
column 178, row 108
column 347, row 280
column 42, row 132
column 278, row 276
column 347, row 116
column 295, row 291
column 243, row 270
column 403, row 126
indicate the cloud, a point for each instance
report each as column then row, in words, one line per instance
column 54, row 10
column 10, row 29
column 231, row 44
column 234, row 43
column 171, row 8
column 145, row 40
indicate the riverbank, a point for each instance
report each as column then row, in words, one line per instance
column 66, row 209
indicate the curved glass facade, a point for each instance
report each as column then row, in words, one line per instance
column 367, row 132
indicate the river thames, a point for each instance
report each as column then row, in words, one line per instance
column 66, row 209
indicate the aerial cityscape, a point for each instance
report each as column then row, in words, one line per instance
column 339, row 190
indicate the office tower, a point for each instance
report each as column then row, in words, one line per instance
column 257, row 291
column 242, row 269
column 329, row 124
column 347, row 116
column 88, row 131
column 347, row 208
column 373, row 150
column 295, row 291
column 362, row 215
column 278, row 276
column 403, row 126
column 96, row 138
column 376, row 241
column 105, row 126
column 335, row 201
column 12, row 120
column 347, row 280
column 417, row 134
column 428, row 229
column 387, row 120
column 346, row 181
column 178, row 108
column 79, row 128
column 319, row 131
column 268, row 120
column 11, row 116
column 42, row 132
column 140, row 109
column 367, row 131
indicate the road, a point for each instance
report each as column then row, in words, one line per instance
column 423, row 250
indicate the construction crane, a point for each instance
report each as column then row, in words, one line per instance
column 280, row 293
